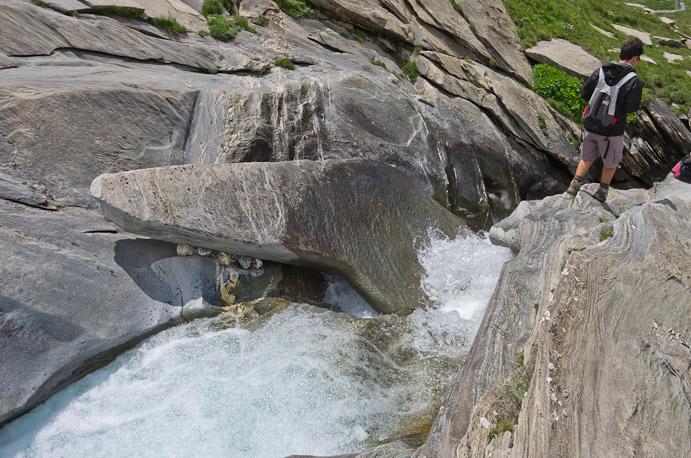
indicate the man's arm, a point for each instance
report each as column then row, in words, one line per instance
column 633, row 96
column 589, row 86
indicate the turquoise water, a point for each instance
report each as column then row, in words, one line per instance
column 302, row 382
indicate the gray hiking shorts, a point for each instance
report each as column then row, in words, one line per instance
column 610, row 149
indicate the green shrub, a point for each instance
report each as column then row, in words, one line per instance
column 221, row 28
column 562, row 91
column 606, row 233
column 124, row 12
column 210, row 7
column 262, row 21
column 359, row 35
column 229, row 5
column 410, row 70
column 294, row 8
column 543, row 125
column 503, row 424
column 285, row 63
column 379, row 63
column 243, row 24
column 167, row 24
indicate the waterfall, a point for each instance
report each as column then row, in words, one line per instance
column 305, row 380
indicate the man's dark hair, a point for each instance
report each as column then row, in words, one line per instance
column 630, row 49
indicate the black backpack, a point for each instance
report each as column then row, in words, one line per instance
column 598, row 116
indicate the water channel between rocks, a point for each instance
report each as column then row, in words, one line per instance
column 305, row 380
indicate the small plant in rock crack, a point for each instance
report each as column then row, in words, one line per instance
column 606, row 233
column 285, row 63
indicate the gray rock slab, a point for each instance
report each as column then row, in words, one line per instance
column 497, row 31
column 360, row 219
column 65, row 6
column 7, row 62
column 604, row 32
column 74, row 293
column 671, row 42
column 29, row 30
column 584, row 343
column 643, row 36
column 672, row 58
column 565, row 56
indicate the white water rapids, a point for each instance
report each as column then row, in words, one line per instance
column 299, row 383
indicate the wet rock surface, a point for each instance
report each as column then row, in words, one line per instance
column 86, row 95
column 583, row 305
column 360, row 219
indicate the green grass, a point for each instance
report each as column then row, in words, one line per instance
column 570, row 19
column 221, row 28
column 379, row 63
column 167, row 24
column 503, row 424
column 606, row 233
column 285, row 63
column 124, row 12
column 294, row 8
column 410, row 70
column 562, row 91
column 210, row 7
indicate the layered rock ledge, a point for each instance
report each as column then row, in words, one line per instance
column 361, row 219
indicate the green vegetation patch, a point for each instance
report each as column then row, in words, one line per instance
column 167, row 24
column 379, row 63
column 571, row 20
column 221, row 28
column 285, row 63
column 606, row 233
column 210, row 7
column 294, row 8
column 562, row 91
column 124, row 12
column 410, row 70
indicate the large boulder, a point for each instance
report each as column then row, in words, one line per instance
column 599, row 319
column 361, row 219
column 565, row 56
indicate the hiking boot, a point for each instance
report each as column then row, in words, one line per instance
column 575, row 186
column 601, row 193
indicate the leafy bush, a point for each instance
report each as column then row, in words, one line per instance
column 285, row 63
column 167, row 24
column 562, row 91
column 410, row 70
column 243, row 24
column 210, row 7
column 124, row 12
column 221, row 28
column 230, row 5
column 294, row 8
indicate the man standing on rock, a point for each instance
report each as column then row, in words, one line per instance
column 608, row 143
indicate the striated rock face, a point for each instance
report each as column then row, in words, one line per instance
column 601, row 325
column 86, row 95
column 360, row 219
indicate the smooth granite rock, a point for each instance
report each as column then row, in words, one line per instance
column 360, row 219
column 602, row 324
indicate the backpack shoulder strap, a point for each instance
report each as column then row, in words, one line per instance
column 615, row 91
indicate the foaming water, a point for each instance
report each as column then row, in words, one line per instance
column 304, row 381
